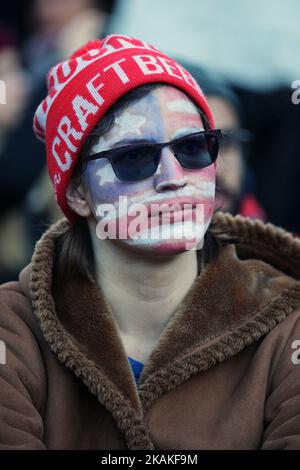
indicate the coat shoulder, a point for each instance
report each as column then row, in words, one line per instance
column 14, row 303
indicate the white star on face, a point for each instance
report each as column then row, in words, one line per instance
column 129, row 123
column 125, row 124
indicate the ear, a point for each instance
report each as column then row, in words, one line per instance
column 77, row 199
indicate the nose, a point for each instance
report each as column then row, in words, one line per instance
column 169, row 174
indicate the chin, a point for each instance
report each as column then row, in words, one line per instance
column 178, row 246
column 165, row 247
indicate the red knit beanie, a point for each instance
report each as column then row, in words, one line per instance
column 82, row 88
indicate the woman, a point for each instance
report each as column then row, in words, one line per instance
column 119, row 339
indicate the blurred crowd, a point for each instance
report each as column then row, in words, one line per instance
column 258, row 168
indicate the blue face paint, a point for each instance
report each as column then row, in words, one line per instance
column 141, row 120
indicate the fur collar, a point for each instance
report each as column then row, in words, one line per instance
column 236, row 300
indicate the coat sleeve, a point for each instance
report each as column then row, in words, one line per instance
column 282, row 408
column 22, row 376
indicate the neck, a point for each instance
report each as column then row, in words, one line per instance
column 143, row 291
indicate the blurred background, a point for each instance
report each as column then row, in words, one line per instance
column 245, row 55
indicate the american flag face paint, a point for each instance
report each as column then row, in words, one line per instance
column 162, row 115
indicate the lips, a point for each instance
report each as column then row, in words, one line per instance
column 179, row 215
column 164, row 211
column 171, row 206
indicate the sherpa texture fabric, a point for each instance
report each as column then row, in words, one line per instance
column 223, row 375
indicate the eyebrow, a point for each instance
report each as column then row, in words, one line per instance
column 124, row 142
column 186, row 131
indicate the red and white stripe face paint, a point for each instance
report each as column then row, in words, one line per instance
column 162, row 115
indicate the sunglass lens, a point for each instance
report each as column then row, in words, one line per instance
column 135, row 163
column 197, row 151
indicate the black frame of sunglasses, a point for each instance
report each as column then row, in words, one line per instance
column 109, row 154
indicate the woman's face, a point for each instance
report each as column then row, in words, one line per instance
column 162, row 115
column 230, row 167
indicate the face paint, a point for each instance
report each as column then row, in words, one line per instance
column 162, row 115
column 130, row 121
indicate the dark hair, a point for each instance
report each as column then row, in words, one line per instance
column 74, row 248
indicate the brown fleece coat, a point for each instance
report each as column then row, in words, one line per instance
column 224, row 374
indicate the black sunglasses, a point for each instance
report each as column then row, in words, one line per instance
column 140, row 161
